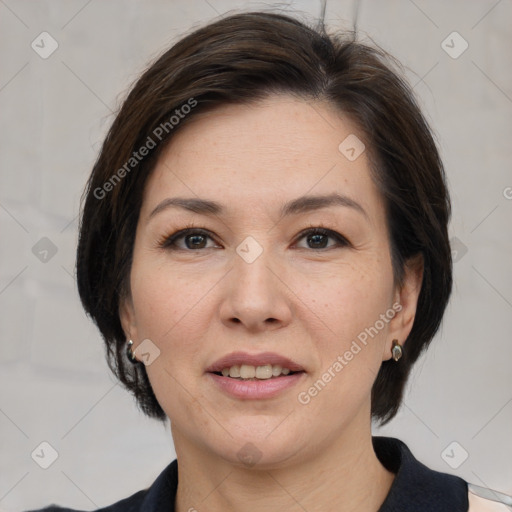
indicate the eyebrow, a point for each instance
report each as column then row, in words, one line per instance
column 302, row 204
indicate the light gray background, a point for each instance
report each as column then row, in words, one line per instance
column 55, row 386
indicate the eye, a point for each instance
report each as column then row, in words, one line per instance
column 318, row 238
column 193, row 239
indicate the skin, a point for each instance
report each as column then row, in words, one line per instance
column 304, row 302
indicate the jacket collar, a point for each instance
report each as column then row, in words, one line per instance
column 415, row 486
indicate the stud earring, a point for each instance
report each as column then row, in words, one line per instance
column 130, row 354
column 396, row 350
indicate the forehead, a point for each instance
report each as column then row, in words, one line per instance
column 264, row 153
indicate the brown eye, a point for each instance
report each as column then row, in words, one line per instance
column 317, row 238
column 194, row 239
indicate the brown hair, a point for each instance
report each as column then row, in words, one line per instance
column 239, row 59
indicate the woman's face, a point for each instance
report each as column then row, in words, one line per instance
column 248, row 278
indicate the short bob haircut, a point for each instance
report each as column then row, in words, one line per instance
column 240, row 59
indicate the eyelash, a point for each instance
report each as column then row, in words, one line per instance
column 169, row 241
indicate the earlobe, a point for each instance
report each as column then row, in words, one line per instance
column 407, row 296
column 410, row 290
column 127, row 317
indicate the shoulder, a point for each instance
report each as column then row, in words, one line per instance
column 131, row 504
column 417, row 487
column 160, row 496
column 482, row 499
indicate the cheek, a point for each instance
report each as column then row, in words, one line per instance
column 349, row 300
column 169, row 310
column 351, row 353
column 165, row 300
column 172, row 309
column 350, row 336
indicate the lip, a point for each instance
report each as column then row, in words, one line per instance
column 255, row 389
column 260, row 359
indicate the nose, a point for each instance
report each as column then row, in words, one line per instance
column 256, row 296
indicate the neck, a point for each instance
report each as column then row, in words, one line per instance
column 344, row 477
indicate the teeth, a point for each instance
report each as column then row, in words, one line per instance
column 264, row 372
column 234, row 371
column 247, row 371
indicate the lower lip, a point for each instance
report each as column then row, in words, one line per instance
column 256, row 389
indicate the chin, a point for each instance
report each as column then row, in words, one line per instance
column 253, row 457
column 259, row 445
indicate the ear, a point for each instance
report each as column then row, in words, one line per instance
column 127, row 317
column 406, row 296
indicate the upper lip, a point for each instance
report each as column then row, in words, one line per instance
column 261, row 359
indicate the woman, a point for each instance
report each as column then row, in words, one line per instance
column 264, row 249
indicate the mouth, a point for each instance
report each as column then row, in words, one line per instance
column 246, row 372
column 245, row 376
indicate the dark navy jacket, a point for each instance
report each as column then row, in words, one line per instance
column 415, row 487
